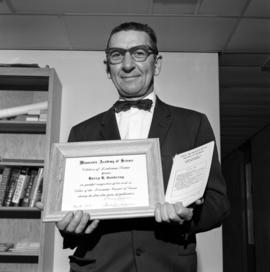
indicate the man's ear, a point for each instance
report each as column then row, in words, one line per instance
column 108, row 71
column 158, row 64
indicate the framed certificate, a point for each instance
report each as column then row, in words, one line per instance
column 107, row 179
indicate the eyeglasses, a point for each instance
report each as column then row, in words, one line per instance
column 138, row 53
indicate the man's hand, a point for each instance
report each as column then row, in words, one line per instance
column 199, row 201
column 176, row 213
column 77, row 223
column 39, row 205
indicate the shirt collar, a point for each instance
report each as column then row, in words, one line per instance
column 151, row 96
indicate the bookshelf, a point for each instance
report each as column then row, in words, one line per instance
column 25, row 146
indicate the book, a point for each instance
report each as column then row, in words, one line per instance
column 32, row 117
column 3, row 184
column 39, row 192
column 11, row 186
column 26, row 199
column 43, row 116
column 34, row 112
column 20, row 187
column 1, row 175
column 36, row 187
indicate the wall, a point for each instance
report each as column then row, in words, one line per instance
column 187, row 79
column 260, row 161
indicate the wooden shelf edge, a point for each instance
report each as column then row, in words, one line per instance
column 20, row 212
column 31, row 127
column 12, row 258
column 26, row 71
column 20, row 253
column 25, row 79
column 21, row 162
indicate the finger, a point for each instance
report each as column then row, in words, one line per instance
column 92, row 226
column 178, row 208
column 63, row 223
column 183, row 212
column 158, row 213
column 172, row 216
column 39, row 205
column 83, row 222
column 199, row 201
column 74, row 222
column 164, row 214
column 187, row 214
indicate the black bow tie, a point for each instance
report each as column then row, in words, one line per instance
column 143, row 104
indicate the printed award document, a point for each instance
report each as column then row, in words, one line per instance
column 105, row 182
column 189, row 175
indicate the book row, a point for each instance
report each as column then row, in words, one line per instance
column 20, row 186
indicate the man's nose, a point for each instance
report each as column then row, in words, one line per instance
column 128, row 62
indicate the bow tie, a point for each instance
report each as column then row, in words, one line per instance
column 143, row 104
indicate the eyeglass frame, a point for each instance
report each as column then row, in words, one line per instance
column 148, row 49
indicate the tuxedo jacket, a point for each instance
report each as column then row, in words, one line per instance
column 141, row 244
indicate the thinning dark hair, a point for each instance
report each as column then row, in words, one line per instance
column 137, row 27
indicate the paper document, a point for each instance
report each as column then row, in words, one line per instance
column 189, row 175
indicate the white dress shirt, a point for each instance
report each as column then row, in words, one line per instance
column 135, row 123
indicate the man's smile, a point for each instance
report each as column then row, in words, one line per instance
column 129, row 78
column 133, row 76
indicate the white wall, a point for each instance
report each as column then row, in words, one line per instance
column 187, row 79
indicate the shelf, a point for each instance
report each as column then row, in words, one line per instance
column 21, row 162
column 20, row 253
column 20, row 212
column 25, row 83
column 22, row 257
column 26, row 144
column 26, row 127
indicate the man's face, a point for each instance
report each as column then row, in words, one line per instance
column 133, row 79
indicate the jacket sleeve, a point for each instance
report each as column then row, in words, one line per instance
column 216, row 205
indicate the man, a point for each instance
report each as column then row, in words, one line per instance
column 167, row 241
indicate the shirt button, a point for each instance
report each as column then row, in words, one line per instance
column 139, row 251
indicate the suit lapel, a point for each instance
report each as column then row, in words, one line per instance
column 161, row 122
column 109, row 130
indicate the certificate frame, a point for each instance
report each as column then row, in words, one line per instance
column 55, row 176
